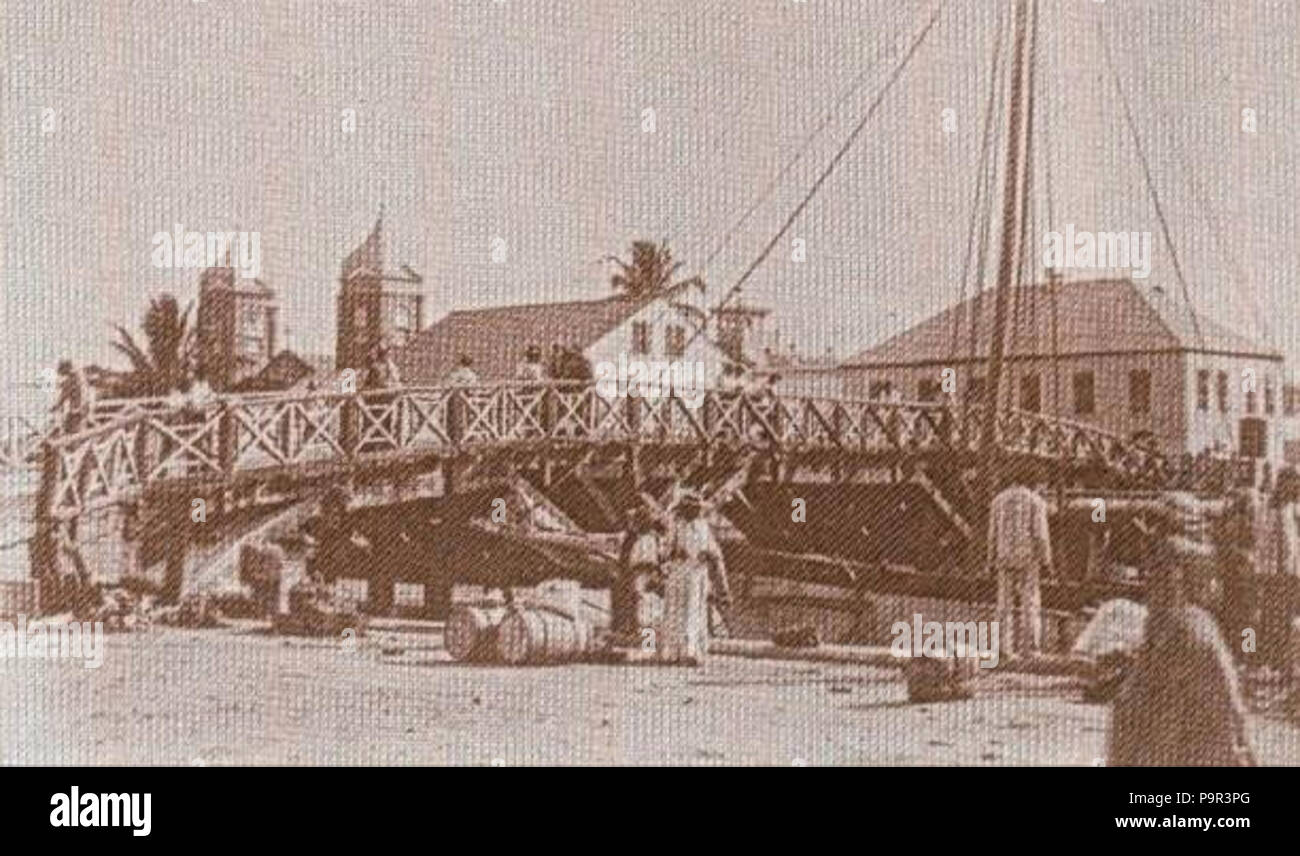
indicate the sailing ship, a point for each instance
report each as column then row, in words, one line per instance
column 915, row 537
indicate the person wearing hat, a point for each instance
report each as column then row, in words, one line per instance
column 381, row 373
column 1182, row 704
column 531, row 368
column 1019, row 554
column 74, row 402
column 640, row 556
column 696, row 575
column 463, row 374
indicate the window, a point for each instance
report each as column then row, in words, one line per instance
column 879, row 390
column 1251, row 401
column 1031, row 393
column 1139, row 391
column 1085, row 393
column 404, row 322
column 975, row 391
column 408, row 594
column 640, row 337
column 1202, row 390
column 1269, row 403
column 928, row 389
column 1254, row 438
column 252, row 332
column 351, row 590
column 1222, row 383
column 675, row 340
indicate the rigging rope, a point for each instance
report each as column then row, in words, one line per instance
column 830, row 168
column 1151, row 189
column 979, row 205
column 1198, row 195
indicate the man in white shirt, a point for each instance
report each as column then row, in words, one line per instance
column 1019, row 552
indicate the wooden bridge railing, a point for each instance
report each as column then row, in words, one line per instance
column 228, row 437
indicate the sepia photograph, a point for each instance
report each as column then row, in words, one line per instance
column 650, row 383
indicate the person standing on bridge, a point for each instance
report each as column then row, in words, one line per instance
column 75, row 398
column 531, row 368
column 381, row 372
column 463, row 374
column 1019, row 553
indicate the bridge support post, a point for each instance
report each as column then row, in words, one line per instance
column 350, row 426
column 456, row 417
column 632, row 467
column 175, row 543
column 227, row 440
column 43, row 545
column 632, row 405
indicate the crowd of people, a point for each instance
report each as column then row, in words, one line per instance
column 671, row 590
column 1222, row 576
column 564, row 363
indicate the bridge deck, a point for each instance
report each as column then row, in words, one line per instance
column 234, row 440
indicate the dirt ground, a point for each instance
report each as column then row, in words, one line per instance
column 237, row 696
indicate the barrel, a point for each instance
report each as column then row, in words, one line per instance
column 471, row 632
column 19, row 597
column 538, row 634
column 939, row 678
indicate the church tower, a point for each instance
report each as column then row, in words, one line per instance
column 236, row 326
column 375, row 306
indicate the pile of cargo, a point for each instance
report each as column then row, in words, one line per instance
column 556, row 622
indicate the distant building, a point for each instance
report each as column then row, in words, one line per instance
column 288, row 370
column 808, row 377
column 658, row 328
column 236, row 326
column 1122, row 361
column 737, row 324
column 375, row 305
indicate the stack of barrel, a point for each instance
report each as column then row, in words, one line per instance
column 554, row 623
column 944, row 677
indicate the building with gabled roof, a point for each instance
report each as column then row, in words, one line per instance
column 1106, row 352
column 289, row 370
column 660, row 327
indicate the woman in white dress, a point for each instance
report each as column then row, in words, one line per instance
column 684, row 632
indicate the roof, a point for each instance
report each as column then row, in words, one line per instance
column 495, row 338
column 1103, row 316
column 283, row 371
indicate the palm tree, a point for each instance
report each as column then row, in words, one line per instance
column 650, row 271
column 165, row 363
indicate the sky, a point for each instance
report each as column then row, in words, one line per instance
column 524, row 122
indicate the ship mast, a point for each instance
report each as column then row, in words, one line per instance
column 1015, row 185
